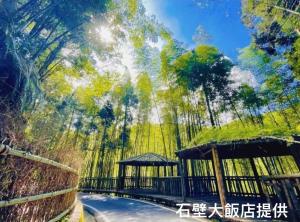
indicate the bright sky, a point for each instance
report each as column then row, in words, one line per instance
column 220, row 18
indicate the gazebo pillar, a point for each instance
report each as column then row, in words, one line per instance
column 182, row 177
column 219, row 174
column 137, row 176
column 121, row 176
column 186, row 174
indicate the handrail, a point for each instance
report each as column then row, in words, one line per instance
column 289, row 176
column 6, row 150
column 22, row 200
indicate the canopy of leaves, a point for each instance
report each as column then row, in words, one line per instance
column 203, row 67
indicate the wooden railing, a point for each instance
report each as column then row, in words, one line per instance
column 195, row 186
column 236, row 186
column 165, row 185
column 168, row 185
column 43, row 188
column 242, row 186
column 141, row 183
column 95, row 183
column 201, row 185
column 285, row 188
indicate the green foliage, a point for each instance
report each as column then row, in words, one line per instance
column 276, row 28
column 235, row 130
column 107, row 114
column 132, row 8
column 88, row 95
column 294, row 58
column 144, row 93
column 128, row 97
column 249, row 97
column 251, row 56
column 204, row 67
column 138, row 38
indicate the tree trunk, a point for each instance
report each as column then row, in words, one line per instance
column 236, row 112
column 102, row 151
column 177, row 131
column 123, row 133
column 209, row 109
column 272, row 116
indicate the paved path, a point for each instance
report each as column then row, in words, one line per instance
column 117, row 209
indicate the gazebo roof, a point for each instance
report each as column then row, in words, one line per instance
column 244, row 148
column 148, row 159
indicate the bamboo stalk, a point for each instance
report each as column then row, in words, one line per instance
column 6, row 150
column 287, row 10
column 22, row 200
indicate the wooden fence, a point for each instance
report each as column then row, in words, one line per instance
column 285, row 189
column 272, row 188
column 33, row 188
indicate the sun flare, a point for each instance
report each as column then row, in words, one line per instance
column 105, row 34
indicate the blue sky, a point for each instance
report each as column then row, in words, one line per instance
column 220, row 18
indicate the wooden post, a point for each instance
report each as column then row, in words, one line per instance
column 183, row 191
column 123, row 177
column 158, row 180
column 295, row 151
column 139, row 176
column 290, row 195
column 192, row 185
column 136, row 177
column 178, row 168
column 120, row 177
column 185, row 174
column 217, row 164
column 259, row 186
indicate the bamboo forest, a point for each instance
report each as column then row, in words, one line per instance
column 149, row 110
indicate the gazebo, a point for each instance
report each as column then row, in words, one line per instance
column 257, row 170
column 258, row 156
column 143, row 160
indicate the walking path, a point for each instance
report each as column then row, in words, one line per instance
column 117, row 209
